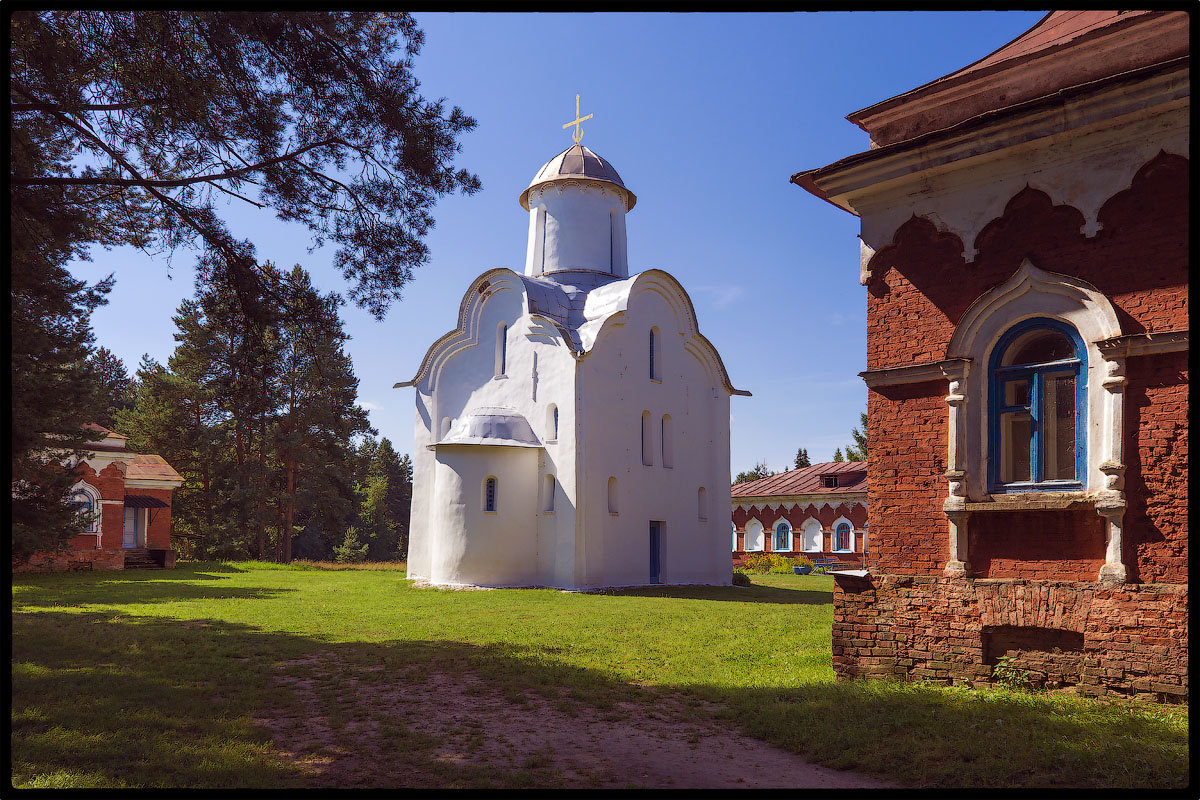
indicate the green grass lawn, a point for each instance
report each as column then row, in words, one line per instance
column 153, row 678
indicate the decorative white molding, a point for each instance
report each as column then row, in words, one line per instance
column 912, row 373
column 963, row 178
column 1144, row 344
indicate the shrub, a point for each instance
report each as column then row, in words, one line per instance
column 1007, row 673
column 740, row 578
column 774, row 563
column 350, row 550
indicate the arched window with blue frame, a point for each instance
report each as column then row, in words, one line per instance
column 1037, row 408
column 783, row 537
column 841, row 538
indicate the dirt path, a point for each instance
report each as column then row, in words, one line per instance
column 459, row 731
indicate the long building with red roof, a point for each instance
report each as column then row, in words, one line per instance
column 816, row 511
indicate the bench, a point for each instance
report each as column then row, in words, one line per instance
column 826, row 564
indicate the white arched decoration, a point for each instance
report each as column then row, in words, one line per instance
column 754, row 536
column 811, row 536
column 1034, row 293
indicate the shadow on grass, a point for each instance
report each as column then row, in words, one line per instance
column 132, row 588
column 170, row 703
column 738, row 594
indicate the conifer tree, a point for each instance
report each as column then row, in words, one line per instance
column 802, row 459
column 837, row 455
column 858, row 450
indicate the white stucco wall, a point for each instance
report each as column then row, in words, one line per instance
column 615, row 380
column 582, row 227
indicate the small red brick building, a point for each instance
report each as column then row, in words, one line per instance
column 1024, row 227
column 816, row 511
column 128, row 497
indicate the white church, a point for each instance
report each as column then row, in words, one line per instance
column 573, row 430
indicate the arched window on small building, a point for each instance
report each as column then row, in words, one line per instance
column 87, row 506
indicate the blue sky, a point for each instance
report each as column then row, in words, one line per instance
column 705, row 116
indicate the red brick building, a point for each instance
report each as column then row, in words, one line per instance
column 1024, row 236
column 816, row 511
column 128, row 498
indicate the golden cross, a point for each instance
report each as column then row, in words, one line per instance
column 577, row 135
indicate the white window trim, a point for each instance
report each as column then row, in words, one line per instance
column 97, row 509
column 1032, row 293
column 806, row 527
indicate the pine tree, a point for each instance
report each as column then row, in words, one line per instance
column 759, row 470
column 112, row 388
column 837, row 455
column 858, row 450
column 802, row 459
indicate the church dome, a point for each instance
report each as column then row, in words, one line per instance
column 578, row 163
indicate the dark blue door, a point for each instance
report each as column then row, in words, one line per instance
column 655, row 535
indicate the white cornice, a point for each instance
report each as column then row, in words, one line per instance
column 962, row 179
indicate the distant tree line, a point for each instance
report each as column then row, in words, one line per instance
column 854, row 452
column 262, row 423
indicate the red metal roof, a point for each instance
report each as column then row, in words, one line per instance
column 1064, row 49
column 807, row 480
column 151, row 467
column 91, row 426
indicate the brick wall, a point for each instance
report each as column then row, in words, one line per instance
column 1050, row 545
column 906, row 478
column 106, row 559
column 1155, row 537
column 1131, row 639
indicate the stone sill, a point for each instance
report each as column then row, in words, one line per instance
column 1033, row 501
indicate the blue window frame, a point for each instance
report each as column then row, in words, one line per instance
column 1037, row 407
column 841, row 538
column 781, row 536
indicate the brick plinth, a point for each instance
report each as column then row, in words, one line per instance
column 107, row 558
column 1123, row 640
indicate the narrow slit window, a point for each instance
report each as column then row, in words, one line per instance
column 489, row 495
column 702, row 503
column 647, row 435
column 655, row 355
column 612, row 495
column 548, row 503
column 501, row 349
